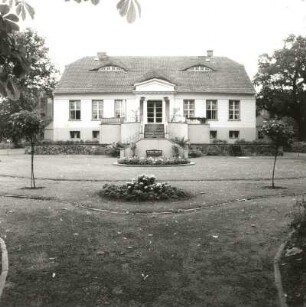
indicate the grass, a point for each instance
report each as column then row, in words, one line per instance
column 293, row 259
column 63, row 255
column 220, row 257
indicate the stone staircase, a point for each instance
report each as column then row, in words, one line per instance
column 154, row 131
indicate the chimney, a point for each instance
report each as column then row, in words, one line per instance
column 210, row 53
column 102, row 56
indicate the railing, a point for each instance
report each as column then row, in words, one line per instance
column 112, row 120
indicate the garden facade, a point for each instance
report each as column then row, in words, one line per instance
column 129, row 99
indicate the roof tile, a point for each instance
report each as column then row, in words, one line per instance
column 227, row 76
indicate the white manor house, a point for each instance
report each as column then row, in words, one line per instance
column 131, row 98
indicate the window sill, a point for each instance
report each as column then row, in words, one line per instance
column 74, row 120
column 234, row 120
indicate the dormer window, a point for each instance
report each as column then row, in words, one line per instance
column 111, row 68
column 199, row 68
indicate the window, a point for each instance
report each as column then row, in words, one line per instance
column 111, row 68
column 189, row 108
column 118, row 108
column 213, row 134
column 234, row 134
column 234, row 109
column 75, row 134
column 211, row 109
column 97, row 109
column 75, row 109
column 199, row 68
column 95, row 134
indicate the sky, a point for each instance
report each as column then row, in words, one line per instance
column 238, row 29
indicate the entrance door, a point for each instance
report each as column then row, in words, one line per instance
column 155, row 111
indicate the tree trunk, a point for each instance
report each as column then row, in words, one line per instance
column 273, row 173
column 32, row 166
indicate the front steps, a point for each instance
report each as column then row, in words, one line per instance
column 163, row 145
column 154, row 131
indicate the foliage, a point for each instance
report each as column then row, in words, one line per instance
column 280, row 134
column 181, row 141
column 298, row 147
column 153, row 161
column 217, row 141
column 13, row 63
column 114, row 149
column 26, row 124
column 39, row 82
column 195, row 153
column 143, row 188
column 29, row 126
column 299, row 217
column 176, row 150
column 133, row 148
column 281, row 80
column 126, row 8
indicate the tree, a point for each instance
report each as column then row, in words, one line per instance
column 126, row 8
column 13, row 63
column 39, row 82
column 280, row 134
column 30, row 126
column 281, row 80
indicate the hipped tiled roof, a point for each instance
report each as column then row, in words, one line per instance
column 83, row 76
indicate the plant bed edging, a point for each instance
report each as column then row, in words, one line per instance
column 152, row 165
column 4, row 270
column 277, row 273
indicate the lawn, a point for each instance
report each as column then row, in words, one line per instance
column 62, row 253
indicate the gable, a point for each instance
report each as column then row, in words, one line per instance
column 154, row 85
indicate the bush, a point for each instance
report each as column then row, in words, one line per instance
column 176, row 150
column 152, row 161
column 114, row 149
column 143, row 188
column 298, row 147
column 195, row 153
column 181, row 141
column 299, row 217
column 216, row 141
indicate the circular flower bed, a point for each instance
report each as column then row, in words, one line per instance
column 142, row 188
column 153, row 161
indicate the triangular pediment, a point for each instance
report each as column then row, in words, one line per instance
column 154, row 85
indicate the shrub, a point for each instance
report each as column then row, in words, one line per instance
column 142, row 188
column 133, row 148
column 114, row 149
column 216, row 141
column 153, row 161
column 298, row 147
column 176, row 150
column 299, row 217
column 181, row 141
column 195, row 153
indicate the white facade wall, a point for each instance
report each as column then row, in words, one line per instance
column 62, row 125
column 131, row 109
column 246, row 125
